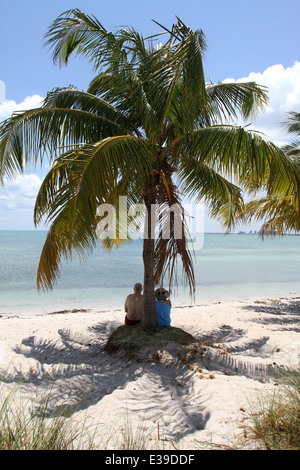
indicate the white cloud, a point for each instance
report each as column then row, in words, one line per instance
column 17, row 200
column 283, row 86
column 7, row 107
column 17, row 196
column 19, row 193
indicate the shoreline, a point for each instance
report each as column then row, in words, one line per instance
column 119, row 307
column 204, row 400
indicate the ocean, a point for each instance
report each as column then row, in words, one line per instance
column 227, row 267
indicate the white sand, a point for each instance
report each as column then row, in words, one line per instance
column 205, row 400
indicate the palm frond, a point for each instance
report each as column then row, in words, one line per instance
column 169, row 250
column 228, row 100
column 180, row 31
column 186, row 51
column 292, row 123
column 244, row 156
column 126, row 94
column 67, row 118
column 72, row 98
column 292, row 149
column 171, row 236
column 278, row 214
column 77, row 184
column 74, row 31
column 201, row 183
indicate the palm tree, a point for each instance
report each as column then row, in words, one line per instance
column 280, row 212
column 148, row 127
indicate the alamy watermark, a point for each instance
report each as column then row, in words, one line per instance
column 131, row 220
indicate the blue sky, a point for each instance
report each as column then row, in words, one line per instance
column 248, row 39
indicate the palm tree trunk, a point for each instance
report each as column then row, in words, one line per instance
column 149, row 318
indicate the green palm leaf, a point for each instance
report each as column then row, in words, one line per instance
column 222, row 198
column 252, row 161
column 228, row 100
column 28, row 136
column 77, row 184
column 279, row 214
column 280, row 211
column 292, row 125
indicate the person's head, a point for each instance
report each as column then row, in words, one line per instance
column 138, row 287
column 161, row 294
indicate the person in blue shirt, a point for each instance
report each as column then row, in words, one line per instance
column 163, row 307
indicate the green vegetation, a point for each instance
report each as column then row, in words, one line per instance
column 276, row 418
column 22, row 429
column 280, row 212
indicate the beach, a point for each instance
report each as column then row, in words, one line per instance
column 162, row 401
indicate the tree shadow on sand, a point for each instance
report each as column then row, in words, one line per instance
column 233, row 340
column 285, row 315
column 81, row 373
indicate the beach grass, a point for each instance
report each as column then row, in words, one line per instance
column 275, row 418
column 274, row 425
column 22, row 428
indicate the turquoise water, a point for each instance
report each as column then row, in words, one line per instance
column 227, row 267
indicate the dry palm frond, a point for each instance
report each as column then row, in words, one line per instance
column 172, row 237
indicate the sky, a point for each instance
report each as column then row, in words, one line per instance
column 257, row 40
